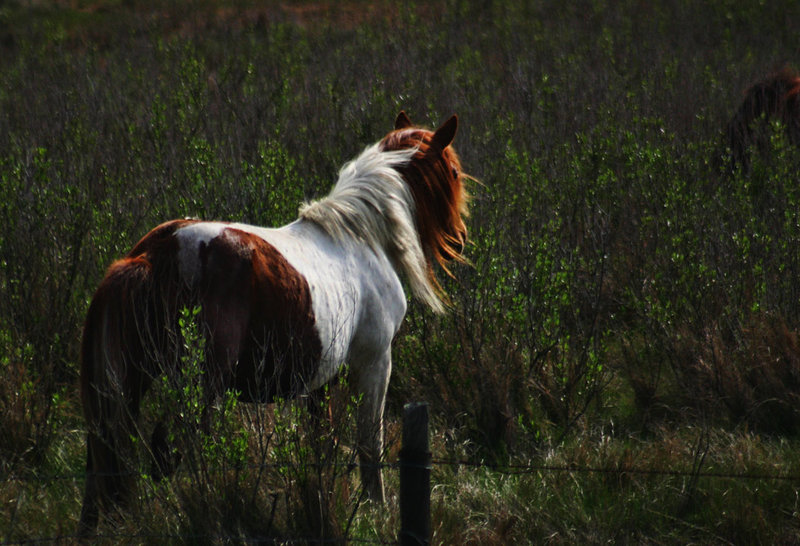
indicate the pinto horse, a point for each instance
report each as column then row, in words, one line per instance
column 776, row 97
column 281, row 309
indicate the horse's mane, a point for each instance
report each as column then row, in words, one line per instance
column 436, row 183
column 372, row 203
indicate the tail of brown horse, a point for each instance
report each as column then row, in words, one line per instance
column 118, row 342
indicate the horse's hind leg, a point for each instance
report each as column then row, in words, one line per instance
column 108, row 481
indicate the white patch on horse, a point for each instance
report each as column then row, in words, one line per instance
column 190, row 238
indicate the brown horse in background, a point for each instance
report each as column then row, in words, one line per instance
column 775, row 98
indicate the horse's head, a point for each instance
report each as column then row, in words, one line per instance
column 437, row 183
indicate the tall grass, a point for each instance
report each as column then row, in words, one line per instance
column 630, row 302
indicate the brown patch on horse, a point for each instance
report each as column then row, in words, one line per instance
column 257, row 308
column 437, row 185
column 776, row 97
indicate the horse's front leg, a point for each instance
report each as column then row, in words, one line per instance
column 372, row 382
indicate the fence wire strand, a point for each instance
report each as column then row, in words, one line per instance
column 512, row 469
column 195, row 538
column 509, row 469
column 505, row 469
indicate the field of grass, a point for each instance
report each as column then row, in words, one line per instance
column 621, row 362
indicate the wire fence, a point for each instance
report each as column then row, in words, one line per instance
column 507, row 469
column 194, row 538
column 415, row 464
column 504, row 469
column 512, row 469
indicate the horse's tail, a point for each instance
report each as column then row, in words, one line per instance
column 118, row 340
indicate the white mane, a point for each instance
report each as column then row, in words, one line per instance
column 373, row 203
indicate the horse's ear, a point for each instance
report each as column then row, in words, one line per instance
column 402, row 121
column 445, row 134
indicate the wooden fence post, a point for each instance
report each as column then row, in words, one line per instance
column 415, row 477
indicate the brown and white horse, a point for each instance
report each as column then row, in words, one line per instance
column 282, row 309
